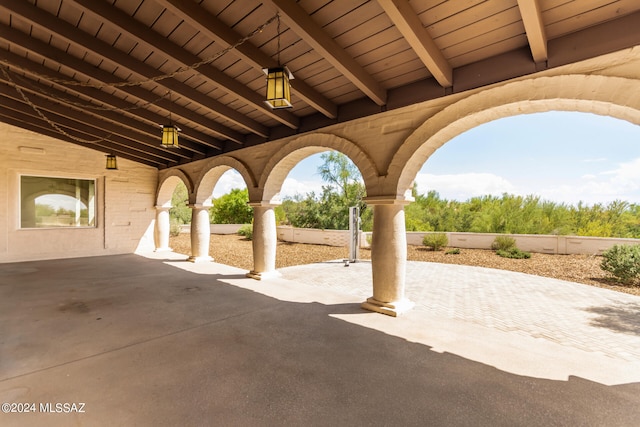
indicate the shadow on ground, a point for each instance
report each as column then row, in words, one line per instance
column 143, row 343
column 619, row 318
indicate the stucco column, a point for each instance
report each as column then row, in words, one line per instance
column 265, row 239
column 200, row 234
column 388, row 257
column 162, row 229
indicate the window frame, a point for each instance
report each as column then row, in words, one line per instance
column 94, row 202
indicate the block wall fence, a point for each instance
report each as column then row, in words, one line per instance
column 548, row 244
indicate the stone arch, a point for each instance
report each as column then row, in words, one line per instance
column 611, row 96
column 280, row 165
column 168, row 184
column 211, row 173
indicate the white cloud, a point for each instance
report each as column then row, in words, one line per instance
column 232, row 179
column 292, row 186
column 627, row 175
column 464, row 186
column 228, row 181
column 622, row 183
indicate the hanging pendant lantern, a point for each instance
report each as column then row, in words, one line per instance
column 112, row 163
column 170, row 132
column 278, row 87
column 170, row 136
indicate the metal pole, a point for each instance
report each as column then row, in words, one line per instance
column 354, row 233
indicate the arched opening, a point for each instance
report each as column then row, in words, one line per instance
column 222, row 208
column 555, row 172
column 558, row 155
column 172, row 190
column 319, row 190
column 313, row 217
column 552, row 182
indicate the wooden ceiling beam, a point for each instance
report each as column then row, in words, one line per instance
column 77, row 121
column 534, row 27
column 35, row 124
column 137, row 119
column 72, row 35
column 108, row 120
column 153, row 40
column 77, row 65
column 210, row 25
column 408, row 23
column 302, row 24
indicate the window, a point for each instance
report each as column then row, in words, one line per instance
column 57, row 202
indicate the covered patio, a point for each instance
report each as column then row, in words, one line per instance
column 384, row 82
column 144, row 340
column 101, row 312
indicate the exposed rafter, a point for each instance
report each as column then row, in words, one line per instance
column 140, row 119
column 31, row 122
column 217, row 30
column 78, row 119
column 79, row 66
column 75, row 37
column 533, row 25
column 408, row 23
column 302, row 24
column 78, row 70
column 156, row 42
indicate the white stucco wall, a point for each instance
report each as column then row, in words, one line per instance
column 558, row 245
column 128, row 194
column 546, row 244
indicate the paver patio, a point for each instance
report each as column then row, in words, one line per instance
column 156, row 341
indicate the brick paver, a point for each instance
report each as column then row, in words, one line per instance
column 571, row 314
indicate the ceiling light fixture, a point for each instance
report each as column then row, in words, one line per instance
column 278, row 86
column 170, row 136
column 112, row 162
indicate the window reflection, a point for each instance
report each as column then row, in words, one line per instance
column 57, row 202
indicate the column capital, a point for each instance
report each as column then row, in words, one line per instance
column 163, row 208
column 388, row 200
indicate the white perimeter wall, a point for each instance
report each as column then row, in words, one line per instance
column 561, row 245
column 125, row 200
column 548, row 244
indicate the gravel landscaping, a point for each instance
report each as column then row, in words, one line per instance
column 236, row 251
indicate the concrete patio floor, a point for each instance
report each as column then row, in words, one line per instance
column 154, row 340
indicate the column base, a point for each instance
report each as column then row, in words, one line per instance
column 196, row 259
column 264, row 275
column 394, row 308
column 163, row 249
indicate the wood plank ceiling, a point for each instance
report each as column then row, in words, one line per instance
column 106, row 73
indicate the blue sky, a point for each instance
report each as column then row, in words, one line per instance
column 559, row 156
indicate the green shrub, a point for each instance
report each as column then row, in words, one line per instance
column 454, row 251
column 246, row 231
column 503, row 243
column 514, row 253
column 623, row 262
column 435, row 241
